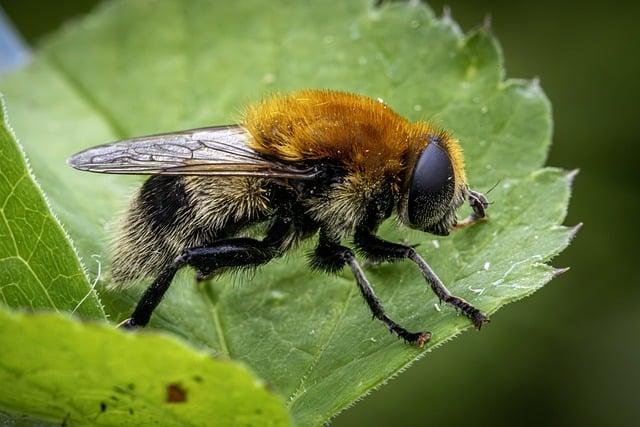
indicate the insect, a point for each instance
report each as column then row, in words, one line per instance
column 314, row 162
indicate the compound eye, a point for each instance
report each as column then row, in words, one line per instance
column 432, row 185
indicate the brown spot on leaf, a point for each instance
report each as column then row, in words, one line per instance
column 176, row 394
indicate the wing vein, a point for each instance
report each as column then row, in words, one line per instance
column 221, row 150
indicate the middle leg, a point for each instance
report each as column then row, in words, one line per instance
column 331, row 257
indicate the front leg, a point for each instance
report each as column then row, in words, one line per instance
column 377, row 249
column 479, row 204
column 331, row 257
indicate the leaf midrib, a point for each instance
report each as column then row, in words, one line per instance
column 300, row 391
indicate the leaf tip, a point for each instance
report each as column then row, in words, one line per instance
column 574, row 230
column 486, row 22
column 560, row 271
column 446, row 13
column 571, row 175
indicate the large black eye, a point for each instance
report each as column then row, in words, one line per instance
column 432, row 186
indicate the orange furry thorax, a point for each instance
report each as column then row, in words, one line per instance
column 361, row 133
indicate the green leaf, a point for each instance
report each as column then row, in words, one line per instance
column 96, row 375
column 38, row 265
column 142, row 67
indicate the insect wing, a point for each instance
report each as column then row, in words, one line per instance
column 221, row 150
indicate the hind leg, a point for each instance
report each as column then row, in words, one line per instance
column 330, row 256
column 239, row 252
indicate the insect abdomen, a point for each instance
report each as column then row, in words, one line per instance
column 143, row 244
column 163, row 201
column 173, row 213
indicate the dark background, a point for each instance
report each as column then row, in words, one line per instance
column 570, row 354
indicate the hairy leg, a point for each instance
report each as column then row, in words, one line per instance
column 377, row 249
column 227, row 253
column 331, row 257
column 240, row 252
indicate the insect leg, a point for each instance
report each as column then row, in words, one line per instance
column 332, row 256
column 476, row 316
column 479, row 204
column 379, row 249
column 239, row 252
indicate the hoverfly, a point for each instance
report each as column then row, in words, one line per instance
column 314, row 162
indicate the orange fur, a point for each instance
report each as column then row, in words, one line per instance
column 365, row 135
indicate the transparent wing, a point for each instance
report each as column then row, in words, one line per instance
column 221, row 150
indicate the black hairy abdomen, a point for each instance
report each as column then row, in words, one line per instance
column 163, row 201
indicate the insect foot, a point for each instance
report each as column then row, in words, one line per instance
column 422, row 339
column 127, row 324
column 478, row 318
column 419, row 339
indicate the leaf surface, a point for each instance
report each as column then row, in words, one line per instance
column 38, row 266
column 95, row 375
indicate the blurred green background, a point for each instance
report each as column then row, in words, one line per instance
column 570, row 354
